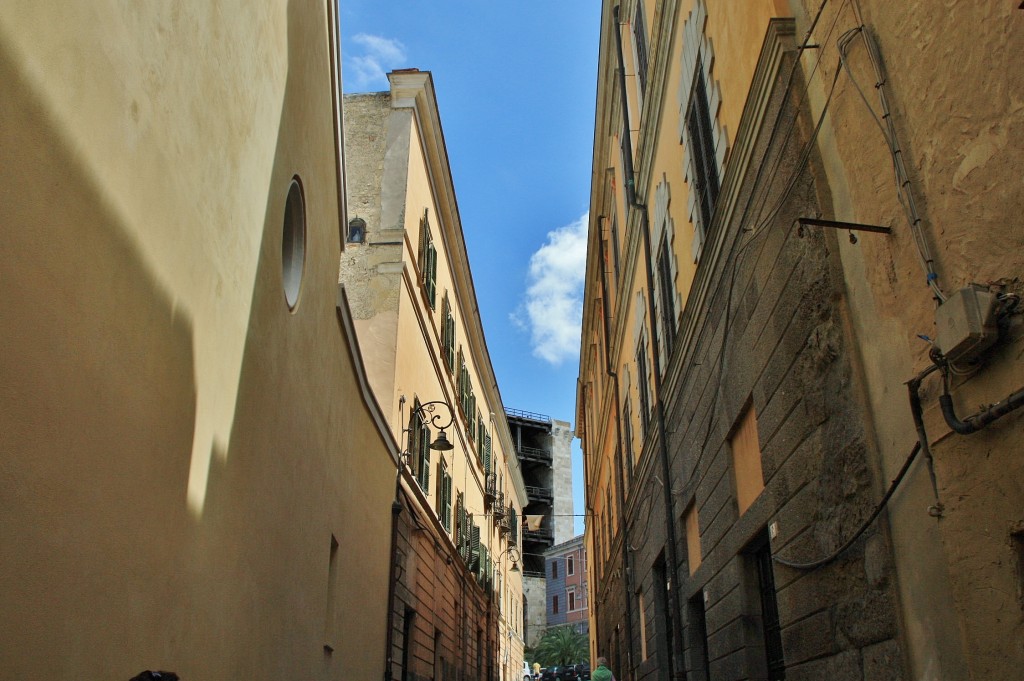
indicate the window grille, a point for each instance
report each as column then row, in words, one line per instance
column 762, row 558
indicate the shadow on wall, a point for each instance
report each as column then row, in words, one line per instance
column 96, row 383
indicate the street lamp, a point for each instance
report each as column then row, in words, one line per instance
column 441, row 443
column 515, row 555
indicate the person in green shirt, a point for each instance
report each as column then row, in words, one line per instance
column 602, row 673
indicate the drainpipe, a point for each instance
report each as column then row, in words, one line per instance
column 627, row 572
column 581, row 390
column 670, row 526
column 396, row 510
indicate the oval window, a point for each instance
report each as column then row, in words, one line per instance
column 293, row 245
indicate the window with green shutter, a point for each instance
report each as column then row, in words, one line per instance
column 485, row 446
column 428, row 260
column 463, row 379
column 444, row 496
column 419, row 446
column 460, row 525
column 483, row 566
column 513, row 524
column 474, row 547
column 448, row 334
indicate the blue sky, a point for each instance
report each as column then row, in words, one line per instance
column 515, row 84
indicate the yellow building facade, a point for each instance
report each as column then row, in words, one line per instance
column 458, row 607
column 196, row 476
column 797, row 211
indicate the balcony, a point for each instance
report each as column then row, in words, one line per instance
column 490, row 489
column 544, row 535
column 539, row 494
column 534, row 455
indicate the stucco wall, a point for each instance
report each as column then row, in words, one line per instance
column 955, row 97
column 179, row 447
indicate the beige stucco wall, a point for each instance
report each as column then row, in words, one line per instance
column 179, row 447
column 406, row 171
column 955, row 96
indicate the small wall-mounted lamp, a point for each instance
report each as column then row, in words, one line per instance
column 441, row 442
column 515, row 555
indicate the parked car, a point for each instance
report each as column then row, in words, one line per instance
column 583, row 672
column 568, row 673
column 527, row 672
column 551, row 674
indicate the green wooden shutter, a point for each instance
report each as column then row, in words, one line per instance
column 446, row 503
column 513, row 524
column 450, row 353
column 424, row 230
column 484, row 565
column 424, row 457
column 461, row 382
column 431, row 274
column 414, row 437
column 460, row 523
column 474, row 547
column 486, row 447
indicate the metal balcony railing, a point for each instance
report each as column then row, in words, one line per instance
column 539, row 493
column 533, row 416
column 544, row 534
column 534, row 454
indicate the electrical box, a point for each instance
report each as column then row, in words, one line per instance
column 965, row 325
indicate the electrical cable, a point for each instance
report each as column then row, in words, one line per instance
column 821, row 562
column 904, row 190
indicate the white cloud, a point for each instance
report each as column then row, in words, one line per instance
column 553, row 308
column 374, row 57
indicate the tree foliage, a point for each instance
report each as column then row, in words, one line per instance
column 562, row 646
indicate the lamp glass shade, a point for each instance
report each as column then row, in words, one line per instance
column 441, row 444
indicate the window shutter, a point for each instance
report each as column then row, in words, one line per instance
column 460, row 524
column 513, row 523
column 431, row 274
column 446, row 505
column 450, row 354
column 485, row 566
column 474, row 547
column 461, row 383
column 425, row 457
column 414, row 437
column 439, row 489
column 424, row 231
column 486, row 446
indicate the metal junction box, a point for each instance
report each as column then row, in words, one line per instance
column 965, row 324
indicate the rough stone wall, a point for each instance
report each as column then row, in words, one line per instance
column 377, row 160
column 535, row 593
column 784, row 350
column 374, row 265
column 561, row 452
